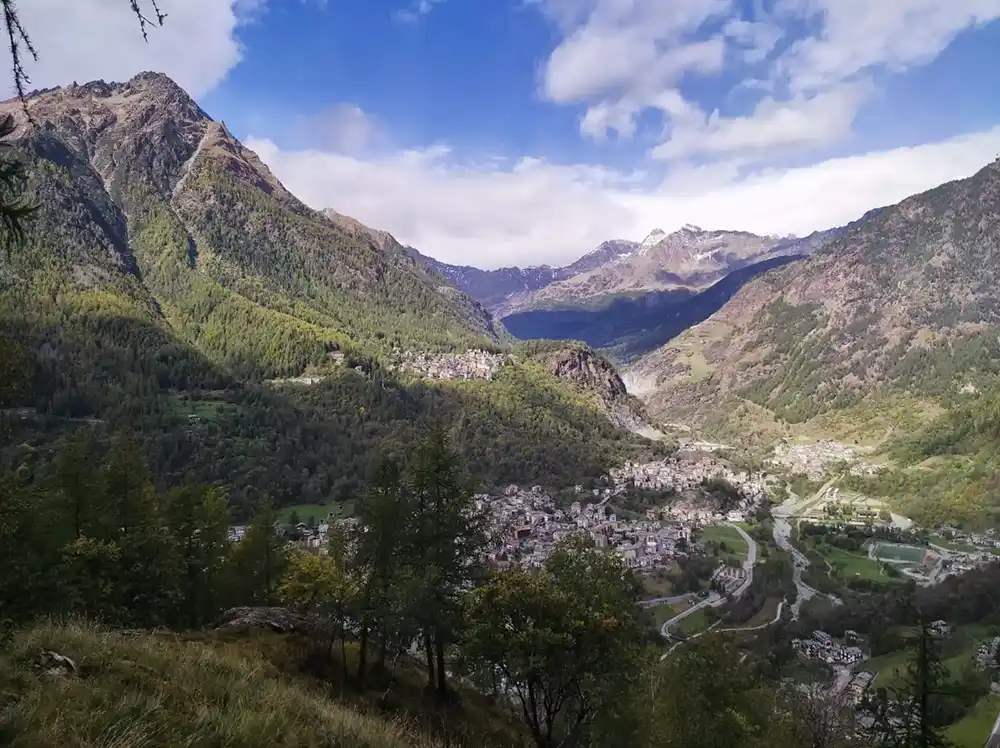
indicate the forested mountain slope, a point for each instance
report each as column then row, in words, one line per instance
column 251, row 274
column 168, row 276
column 906, row 301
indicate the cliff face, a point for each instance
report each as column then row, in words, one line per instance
column 586, row 369
column 590, row 373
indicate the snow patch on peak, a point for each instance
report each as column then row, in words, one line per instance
column 655, row 237
column 691, row 228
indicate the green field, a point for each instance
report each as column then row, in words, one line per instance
column 663, row 613
column 202, row 408
column 697, row 621
column 892, row 667
column 656, row 584
column 975, row 728
column 908, row 553
column 736, row 545
column 853, row 565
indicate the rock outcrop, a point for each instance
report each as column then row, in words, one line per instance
column 583, row 367
column 245, row 620
column 55, row 665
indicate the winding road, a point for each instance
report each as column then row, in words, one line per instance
column 714, row 599
column 782, row 516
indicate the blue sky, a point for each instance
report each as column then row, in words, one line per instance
column 495, row 132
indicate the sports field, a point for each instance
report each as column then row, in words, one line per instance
column 854, row 564
column 910, row 554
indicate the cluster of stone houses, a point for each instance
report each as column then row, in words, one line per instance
column 940, row 629
column 812, row 460
column 730, row 578
column 986, row 654
column 823, row 647
column 314, row 537
column 988, row 539
column 857, row 686
column 529, row 524
column 472, row 364
column 680, row 475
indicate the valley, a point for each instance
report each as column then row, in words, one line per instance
column 769, row 460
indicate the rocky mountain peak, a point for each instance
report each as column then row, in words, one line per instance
column 655, row 237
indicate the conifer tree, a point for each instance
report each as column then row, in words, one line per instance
column 384, row 515
column 258, row 561
column 198, row 520
column 147, row 560
column 446, row 544
column 911, row 714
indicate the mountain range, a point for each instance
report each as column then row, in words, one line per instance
column 904, row 302
column 169, row 280
column 629, row 297
column 171, row 285
column 687, row 260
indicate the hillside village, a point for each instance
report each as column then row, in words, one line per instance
column 472, row 364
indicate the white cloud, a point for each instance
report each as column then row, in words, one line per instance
column 416, row 10
column 858, row 35
column 343, row 128
column 86, row 40
column 619, row 58
column 626, row 55
column 820, row 120
column 497, row 213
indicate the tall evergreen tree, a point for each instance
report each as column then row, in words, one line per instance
column 198, row 520
column 147, row 559
column 447, row 541
column 912, row 714
column 258, row 560
column 384, row 515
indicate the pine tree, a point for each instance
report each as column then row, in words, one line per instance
column 447, row 540
column 910, row 715
column 379, row 561
column 258, row 561
column 146, row 586
column 198, row 521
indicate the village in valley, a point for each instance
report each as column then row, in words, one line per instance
column 659, row 515
column 531, row 522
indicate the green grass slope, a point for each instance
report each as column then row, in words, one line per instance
column 152, row 690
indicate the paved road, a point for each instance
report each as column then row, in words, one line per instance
column 782, row 534
column 994, row 739
column 714, row 600
column 758, row 627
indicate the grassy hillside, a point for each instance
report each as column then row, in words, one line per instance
column 152, row 690
column 945, row 470
column 902, row 303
